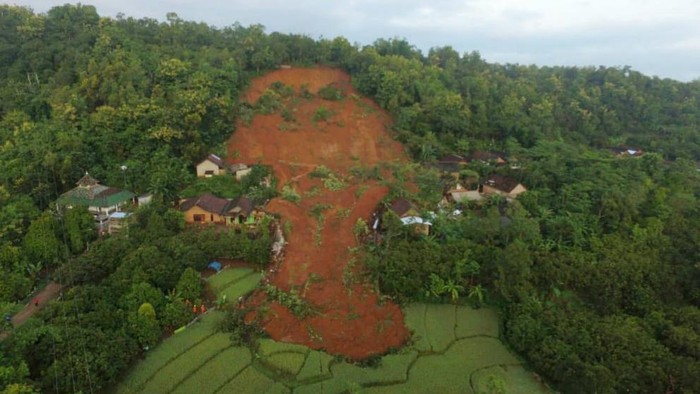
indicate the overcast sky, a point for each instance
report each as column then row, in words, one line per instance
column 656, row 37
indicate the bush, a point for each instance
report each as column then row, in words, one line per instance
column 322, row 113
column 320, row 172
column 331, row 92
column 270, row 102
column 290, row 194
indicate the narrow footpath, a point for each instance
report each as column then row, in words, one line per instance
column 36, row 303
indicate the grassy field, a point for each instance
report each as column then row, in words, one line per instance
column 226, row 277
column 171, row 348
column 455, row 349
column 240, row 287
column 189, row 358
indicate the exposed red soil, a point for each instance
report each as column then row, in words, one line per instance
column 349, row 318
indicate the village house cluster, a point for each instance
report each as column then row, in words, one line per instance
column 462, row 189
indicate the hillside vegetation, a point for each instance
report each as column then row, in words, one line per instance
column 595, row 268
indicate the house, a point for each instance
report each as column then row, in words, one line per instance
column 208, row 208
column 460, row 194
column 502, row 185
column 101, row 201
column 627, row 152
column 211, row 166
column 239, row 170
column 497, row 158
column 243, row 211
column 408, row 215
column 451, row 163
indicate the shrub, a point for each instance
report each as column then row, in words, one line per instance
column 288, row 115
column 322, row 113
column 304, row 92
column 320, row 172
column 269, row 102
column 333, row 183
column 290, row 194
column 331, row 92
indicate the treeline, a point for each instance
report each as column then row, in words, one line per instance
column 595, row 267
column 120, row 298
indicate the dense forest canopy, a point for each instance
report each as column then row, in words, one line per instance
column 595, row 267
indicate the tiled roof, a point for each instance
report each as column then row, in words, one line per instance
column 238, row 167
column 241, row 206
column 486, row 156
column 503, row 183
column 87, row 181
column 401, row 206
column 452, row 159
column 90, row 193
column 216, row 160
column 207, row 202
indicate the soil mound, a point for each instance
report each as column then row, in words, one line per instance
column 347, row 316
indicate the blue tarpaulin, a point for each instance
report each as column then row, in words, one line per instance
column 215, row 265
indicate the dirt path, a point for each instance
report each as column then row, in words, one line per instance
column 348, row 317
column 48, row 293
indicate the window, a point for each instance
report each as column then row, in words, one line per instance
column 198, row 218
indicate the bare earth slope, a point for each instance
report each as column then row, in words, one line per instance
column 348, row 317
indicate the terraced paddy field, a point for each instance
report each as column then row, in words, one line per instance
column 454, row 349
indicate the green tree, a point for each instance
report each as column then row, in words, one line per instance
column 41, row 245
column 189, row 286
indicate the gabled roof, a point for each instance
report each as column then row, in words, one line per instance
column 238, row 167
column 91, row 194
column 452, row 159
column 241, row 206
column 503, row 183
column 401, row 206
column 214, row 159
column 207, row 202
column 487, row 156
column 87, row 181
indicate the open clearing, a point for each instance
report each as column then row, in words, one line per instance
column 457, row 351
column 349, row 319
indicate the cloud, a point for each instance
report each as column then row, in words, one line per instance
column 654, row 36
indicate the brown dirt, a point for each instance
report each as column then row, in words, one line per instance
column 48, row 293
column 349, row 318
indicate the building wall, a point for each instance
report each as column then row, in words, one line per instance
column 208, row 216
column 207, row 165
column 518, row 190
column 466, row 195
column 241, row 173
column 489, row 190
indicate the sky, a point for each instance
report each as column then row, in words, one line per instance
column 655, row 37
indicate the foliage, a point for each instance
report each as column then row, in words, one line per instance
column 595, row 267
column 289, row 299
column 189, row 286
column 322, row 114
column 290, row 194
column 331, row 92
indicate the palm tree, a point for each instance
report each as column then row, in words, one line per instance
column 476, row 293
column 453, row 289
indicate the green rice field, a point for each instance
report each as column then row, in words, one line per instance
column 455, row 349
